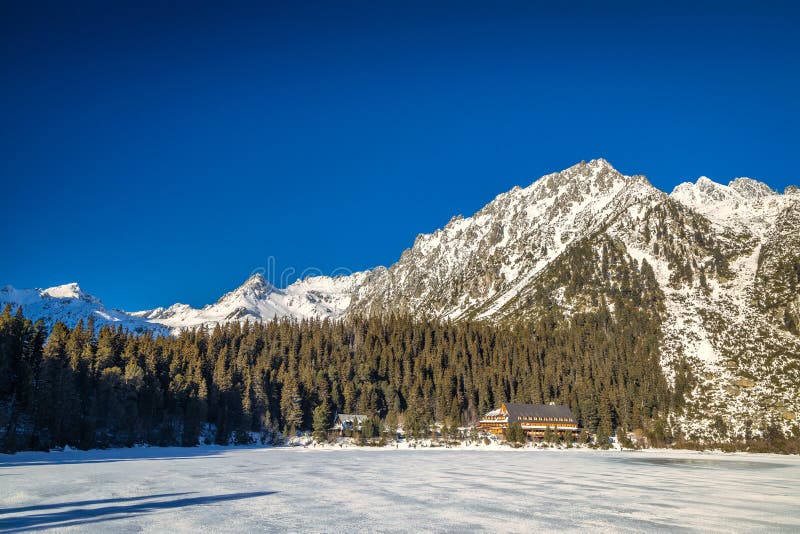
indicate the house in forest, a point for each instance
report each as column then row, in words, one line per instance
column 535, row 419
column 345, row 422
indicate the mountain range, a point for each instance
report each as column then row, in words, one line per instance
column 721, row 264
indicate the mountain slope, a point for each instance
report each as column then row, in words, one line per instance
column 69, row 304
column 475, row 267
column 258, row 300
column 718, row 267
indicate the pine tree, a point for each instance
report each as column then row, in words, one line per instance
column 291, row 407
column 123, row 386
column 57, row 417
column 515, row 434
column 322, row 417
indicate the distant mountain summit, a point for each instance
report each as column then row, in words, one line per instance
column 482, row 266
column 716, row 266
column 68, row 291
column 69, row 304
column 258, row 300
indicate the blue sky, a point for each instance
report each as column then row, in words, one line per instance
column 159, row 154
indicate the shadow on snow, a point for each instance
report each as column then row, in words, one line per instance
column 117, row 508
column 22, row 459
column 38, row 507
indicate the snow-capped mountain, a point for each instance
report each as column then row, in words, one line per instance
column 258, row 300
column 480, row 266
column 727, row 259
column 744, row 204
column 724, row 260
column 255, row 301
column 69, row 304
column 719, row 267
column 474, row 267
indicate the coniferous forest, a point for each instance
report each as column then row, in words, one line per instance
column 114, row 388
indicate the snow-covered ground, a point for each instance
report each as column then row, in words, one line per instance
column 359, row 489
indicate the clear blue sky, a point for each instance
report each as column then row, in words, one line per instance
column 159, row 154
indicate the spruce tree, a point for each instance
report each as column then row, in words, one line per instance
column 322, row 416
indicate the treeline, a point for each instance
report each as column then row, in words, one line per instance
column 92, row 389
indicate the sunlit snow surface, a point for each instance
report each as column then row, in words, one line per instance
column 207, row 489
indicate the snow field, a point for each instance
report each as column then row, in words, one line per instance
column 435, row 490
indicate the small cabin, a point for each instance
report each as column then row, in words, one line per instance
column 535, row 419
column 345, row 422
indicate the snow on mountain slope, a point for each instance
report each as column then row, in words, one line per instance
column 69, row 304
column 743, row 205
column 706, row 245
column 69, row 291
column 482, row 266
column 257, row 300
column 475, row 267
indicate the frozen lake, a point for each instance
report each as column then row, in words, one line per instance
column 226, row 489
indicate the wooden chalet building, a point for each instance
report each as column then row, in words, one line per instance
column 534, row 419
column 345, row 422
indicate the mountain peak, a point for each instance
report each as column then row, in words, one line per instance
column 68, row 303
column 591, row 178
column 703, row 190
column 601, row 162
column 749, row 188
column 67, row 291
column 707, row 190
column 594, row 166
column 255, row 288
column 256, row 280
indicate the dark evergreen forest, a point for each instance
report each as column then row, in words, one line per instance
column 114, row 388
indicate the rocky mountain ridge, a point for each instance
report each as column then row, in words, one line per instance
column 68, row 303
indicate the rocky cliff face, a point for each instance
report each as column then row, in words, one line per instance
column 479, row 267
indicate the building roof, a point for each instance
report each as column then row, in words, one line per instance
column 537, row 411
column 347, row 417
